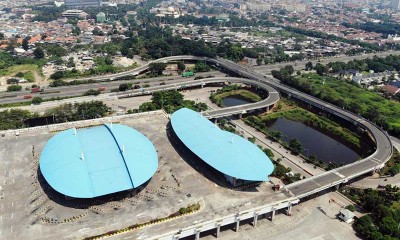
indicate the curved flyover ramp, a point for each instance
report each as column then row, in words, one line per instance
column 226, row 152
column 273, row 95
column 97, row 161
column 384, row 147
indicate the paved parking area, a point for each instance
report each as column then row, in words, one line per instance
column 30, row 209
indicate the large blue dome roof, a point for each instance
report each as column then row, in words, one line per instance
column 222, row 150
column 97, row 161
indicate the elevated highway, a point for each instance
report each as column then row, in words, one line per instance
column 297, row 190
column 306, row 187
column 273, row 95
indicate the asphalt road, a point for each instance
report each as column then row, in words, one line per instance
column 78, row 90
column 331, row 178
column 273, row 95
column 317, row 183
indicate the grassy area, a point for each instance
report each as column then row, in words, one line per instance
column 291, row 111
column 383, row 112
column 239, row 93
column 27, row 69
column 17, row 104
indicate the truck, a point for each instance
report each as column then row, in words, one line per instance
column 36, row 90
column 101, row 89
column 27, row 96
column 187, row 74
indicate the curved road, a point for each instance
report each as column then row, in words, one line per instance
column 306, row 187
column 273, row 95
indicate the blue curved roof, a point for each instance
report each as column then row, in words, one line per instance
column 97, row 161
column 224, row 151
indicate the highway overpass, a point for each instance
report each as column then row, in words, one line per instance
column 273, row 95
column 306, row 187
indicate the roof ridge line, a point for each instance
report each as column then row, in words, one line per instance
column 121, row 152
column 75, row 132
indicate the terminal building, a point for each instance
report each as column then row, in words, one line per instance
column 97, row 161
column 239, row 160
column 82, row 3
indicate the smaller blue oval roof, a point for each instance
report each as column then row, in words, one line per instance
column 97, row 161
column 224, row 151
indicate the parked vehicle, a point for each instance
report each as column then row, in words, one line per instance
column 36, row 90
column 27, row 96
column 102, row 89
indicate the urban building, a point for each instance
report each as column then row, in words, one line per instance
column 119, row 159
column 372, row 78
column 101, row 17
column 232, row 156
column 82, row 3
column 346, row 215
column 74, row 13
column 256, row 7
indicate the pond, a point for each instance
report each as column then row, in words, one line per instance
column 234, row 101
column 315, row 142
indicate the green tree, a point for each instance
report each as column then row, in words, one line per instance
column 39, row 53
column 321, row 69
column 259, row 61
column 309, row 66
column 201, row 67
column 108, row 60
column 76, row 31
column 14, row 88
column 157, row 68
column 13, row 118
column 123, row 87
column 37, row 100
column 181, row 67
column 25, row 43
column 91, row 92
column 57, row 75
column 295, row 146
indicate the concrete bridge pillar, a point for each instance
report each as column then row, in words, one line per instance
column 273, row 214
column 218, row 230
column 289, row 210
column 237, row 225
column 240, row 115
column 197, row 234
column 255, row 219
column 215, row 121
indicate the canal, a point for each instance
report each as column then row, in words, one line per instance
column 315, row 142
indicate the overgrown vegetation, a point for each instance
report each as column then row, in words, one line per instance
column 170, row 101
column 284, row 173
column 392, row 167
column 382, row 220
column 370, row 105
column 16, row 118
